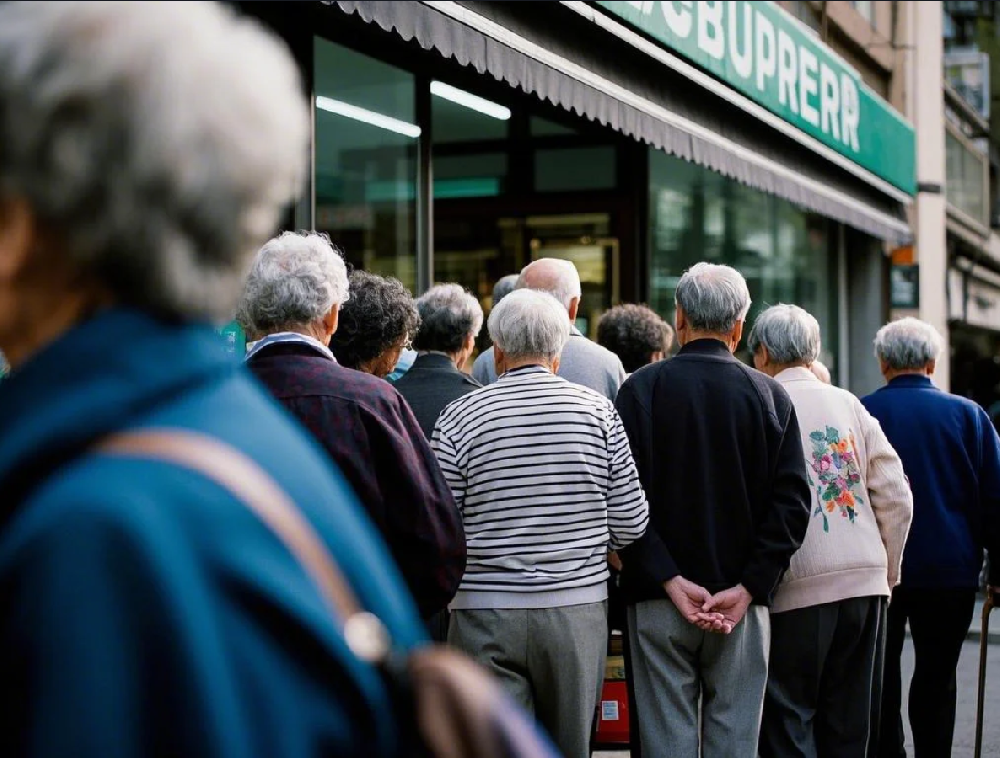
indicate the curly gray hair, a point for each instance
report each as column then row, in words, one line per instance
column 294, row 281
column 161, row 140
column 448, row 316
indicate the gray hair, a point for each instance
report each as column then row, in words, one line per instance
column 714, row 298
column 529, row 324
column 294, row 281
column 790, row 334
column 448, row 316
column 555, row 276
column 908, row 344
column 161, row 140
column 504, row 286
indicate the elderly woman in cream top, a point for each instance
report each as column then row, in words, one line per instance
column 825, row 616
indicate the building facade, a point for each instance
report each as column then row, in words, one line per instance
column 457, row 141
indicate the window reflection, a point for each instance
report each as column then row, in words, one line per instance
column 783, row 251
column 366, row 160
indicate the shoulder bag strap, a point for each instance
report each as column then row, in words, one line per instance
column 252, row 486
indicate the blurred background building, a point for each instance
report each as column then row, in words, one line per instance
column 839, row 154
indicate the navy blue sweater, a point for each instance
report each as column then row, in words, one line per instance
column 951, row 456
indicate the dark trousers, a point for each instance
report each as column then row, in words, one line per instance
column 819, row 687
column 939, row 621
column 437, row 626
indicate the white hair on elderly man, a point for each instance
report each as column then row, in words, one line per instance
column 529, row 324
column 159, row 142
column 714, row 297
column 295, row 281
column 908, row 344
column 791, row 335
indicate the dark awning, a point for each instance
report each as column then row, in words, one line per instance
column 556, row 53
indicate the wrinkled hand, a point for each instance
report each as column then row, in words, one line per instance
column 690, row 599
column 731, row 603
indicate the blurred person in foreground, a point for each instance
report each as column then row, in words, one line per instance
column 291, row 303
column 636, row 334
column 717, row 447
column 148, row 149
column 582, row 361
column 830, row 605
column 375, row 325
column 951, row 455
column 542, row 472
column 450, row 320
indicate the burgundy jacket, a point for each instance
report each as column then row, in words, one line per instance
column 373, row 437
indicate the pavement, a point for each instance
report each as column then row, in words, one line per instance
column 968, row 681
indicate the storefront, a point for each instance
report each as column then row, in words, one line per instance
column 457, row 141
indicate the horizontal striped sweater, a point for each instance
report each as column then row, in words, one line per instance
column 542, row 472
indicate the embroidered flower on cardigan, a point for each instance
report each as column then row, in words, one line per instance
column 835, row 466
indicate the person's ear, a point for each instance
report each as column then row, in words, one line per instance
column 330, row 322
column 499, row 360
column 736, row 336
column 555, row 365
column 17, row 233
column 883, row 367
column 574, row 308
column 931, row 365
column 761, row 358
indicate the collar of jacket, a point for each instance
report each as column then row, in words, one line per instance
column 911, row 380
column 707, row 346
column 434, row 362
column 95, row 379
column 796, row 374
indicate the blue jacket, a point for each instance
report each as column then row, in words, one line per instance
column 143, row 610
column 951, row 455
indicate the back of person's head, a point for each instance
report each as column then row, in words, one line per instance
column 789, row 334
column 136, row 130
column 908, row 344
column 450, row 319
column 555, row 276
column 529, row 325
column 636, row 334
column 295, row 281
column 714, row 298
column 504, row 286
column 375, row 324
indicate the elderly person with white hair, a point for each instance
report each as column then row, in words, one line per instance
column 542, row 473
column 951, row 455
column 583, row 362
column 718, row 452
column 450, row 320
column 292, row 300
column 148, row 149
column 830, row 605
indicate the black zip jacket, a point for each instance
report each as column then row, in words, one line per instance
column 719, row 456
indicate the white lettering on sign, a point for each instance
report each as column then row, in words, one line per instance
column 808, row 86
column 679, row 21
column 711, row 38
column 757, row 51
column 829, row 101
column 742, row 61
column 767, row 52
column 787, row 72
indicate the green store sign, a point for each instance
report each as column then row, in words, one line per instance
column 764, row 53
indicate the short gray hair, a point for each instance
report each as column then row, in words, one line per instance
column 529, row 324
column 448, row 316
column 790, row 334
column 908, row 344
column 562, row 280
column 714, row 298
column 162, row 140
column 504, row 286
column 294, row 281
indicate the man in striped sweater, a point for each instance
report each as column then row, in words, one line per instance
column 542, row 472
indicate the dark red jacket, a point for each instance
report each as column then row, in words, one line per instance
column 371, row 434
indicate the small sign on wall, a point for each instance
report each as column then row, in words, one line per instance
column 904, row 285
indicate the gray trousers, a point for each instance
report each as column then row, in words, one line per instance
column 819, row 691
column 676, row 665
column 550, row 660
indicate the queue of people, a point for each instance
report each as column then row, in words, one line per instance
column 774, row 534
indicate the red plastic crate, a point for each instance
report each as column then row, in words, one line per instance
column 612, row 714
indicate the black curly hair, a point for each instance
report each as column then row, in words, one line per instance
column 379, row 314
column 634, row 333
